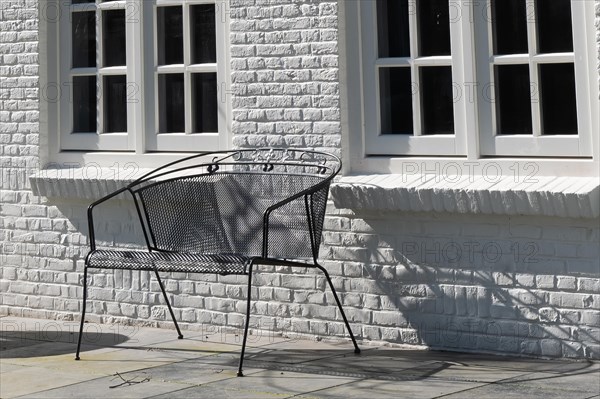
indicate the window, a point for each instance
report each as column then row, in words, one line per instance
column 142, row 76
column 493, row 78
column 411, row 78
column 536, row 93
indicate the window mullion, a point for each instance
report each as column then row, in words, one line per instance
column 414, row 73
column 223, row 71
column 532, row 41
column 66, row 109
column 99, row 64
column 187, row 58
column 464, row 75
column 134, row 15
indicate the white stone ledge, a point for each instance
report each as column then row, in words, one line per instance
column 81, row 183
column 576, row 197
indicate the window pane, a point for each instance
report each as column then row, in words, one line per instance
column 509, row 22
column 113, row 34
column 434, row 27
column 115, row 104
column 82, row 1
column 555, row 32
column 203, row 34
column 437, row 100
column 171, row 106
column 513, row 99
column 83, row 31
column 395, row 90
column 204, row 86
column 392, row 28
column 170, row 35
column 84, row 104
column 559, row 106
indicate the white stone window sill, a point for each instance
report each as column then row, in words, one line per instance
column 83, row 183
column 576, row 197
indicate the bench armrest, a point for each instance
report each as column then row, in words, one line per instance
column 310, row 227
column 90, row 214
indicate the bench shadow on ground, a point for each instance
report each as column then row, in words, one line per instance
column 41, row 343
column 402, row 365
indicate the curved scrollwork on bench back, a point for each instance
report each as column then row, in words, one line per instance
column 261, row 160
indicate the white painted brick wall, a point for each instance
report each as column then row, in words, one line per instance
column 523, row 285
column 285, row 74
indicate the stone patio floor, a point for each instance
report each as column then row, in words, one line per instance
column 37, row 361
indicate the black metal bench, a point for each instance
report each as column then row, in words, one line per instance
column 226, row 212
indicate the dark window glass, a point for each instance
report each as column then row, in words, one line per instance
column 115, row 104
column 513, row 99
column 170, row 35
column 395, row 91
column 82, row 1
column 84, row 104
column 204, row 44
column 171, row 106
column 437, row 100
column 83, row 31
column 509, row 22
column 559, row 106
column 554, row 28
column 113, row 38
column 434, row 27
column 392, row 28
column 204, row 92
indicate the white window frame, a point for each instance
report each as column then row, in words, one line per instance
column 92, row 140
column 140, row 140
column 359, row 97
column 493, row 143
column 185, row 140
column 416, row 143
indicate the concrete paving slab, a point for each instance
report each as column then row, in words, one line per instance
column 264, row 384
column 39, row 352
column 539, row 385
column 94, row 333
column 454, row 371
column 382, row 388
column 102, row 361
column 9, row 343
column 6, row 367
column 233, row 336
column 193, row 372
column 194, row 347
column 109, row 387
column 370, row 362
column 29, row 380
column 506, row 362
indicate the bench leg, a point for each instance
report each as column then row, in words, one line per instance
column 240, row 374
column 82, row 311
column 337, row 300
column 162, row 288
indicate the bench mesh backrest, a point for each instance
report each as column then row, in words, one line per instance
column 223, row 213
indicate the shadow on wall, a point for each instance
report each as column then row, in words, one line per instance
column 482, row 284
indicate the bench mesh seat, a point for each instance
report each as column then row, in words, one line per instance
column 169, row 261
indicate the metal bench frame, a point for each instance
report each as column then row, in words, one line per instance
column 282, row 195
